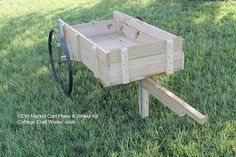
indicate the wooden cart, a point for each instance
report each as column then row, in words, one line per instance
column 118, row 51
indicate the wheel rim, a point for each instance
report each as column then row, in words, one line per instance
column 61, row 66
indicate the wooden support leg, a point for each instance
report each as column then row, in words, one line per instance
column 172, row 101
column 151, row 87
column 143, row 101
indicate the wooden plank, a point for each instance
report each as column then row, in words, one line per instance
column 143, row 101
column 117, row 23
column 78, row 46
column 183, row 49
column 61, row 24
column 104, row 74
column 96, row 28
column 124, row 65
column 88, row 54
column 172, row 101
column 112, row 41
column 169, row 56
column 92, row 55
column 144, row 67
column 96, row 73
column 134, row 34
column 153, row 90
column 149, row 30
column 70, row 39
column 90, row 58
column 139, row 50
column 146, row 49
column 144, row 27
column 101, row 52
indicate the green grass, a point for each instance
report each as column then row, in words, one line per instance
column 208, row 83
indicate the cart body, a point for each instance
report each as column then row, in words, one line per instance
column 123, row 49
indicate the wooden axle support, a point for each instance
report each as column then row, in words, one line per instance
column 150, row 87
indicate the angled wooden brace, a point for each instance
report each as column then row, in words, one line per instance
column 173, row 102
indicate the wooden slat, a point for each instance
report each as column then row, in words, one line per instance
column 96, row 28
column 78, row 46
column 147, row 29
column 172, row 101
column 94, row 63
column 92, row 55
column 134, row 34
column 146, row 49
column 124, row 65
column 117, row 23
column 169, row 57
column 96, row 73
column 144, row 67
column 104, row 74
column 70, row 39
column 183, row 49
column 143, row 26
column 101, row 52
column 113, row 41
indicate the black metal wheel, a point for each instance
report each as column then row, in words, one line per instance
column 60, row 62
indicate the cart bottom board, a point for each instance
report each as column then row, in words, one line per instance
column 113, row 41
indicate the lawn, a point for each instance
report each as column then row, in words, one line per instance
column 208, row 83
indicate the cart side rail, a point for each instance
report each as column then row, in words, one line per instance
column 144, row 27
column 83, row 49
